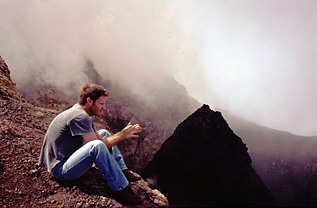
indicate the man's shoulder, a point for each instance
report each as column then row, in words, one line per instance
column 76, row 111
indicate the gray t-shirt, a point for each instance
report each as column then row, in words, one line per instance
column 64, row 136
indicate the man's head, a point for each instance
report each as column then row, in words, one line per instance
column 93, row 98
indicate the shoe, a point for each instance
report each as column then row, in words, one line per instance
column 128, row 196
column 131, row 176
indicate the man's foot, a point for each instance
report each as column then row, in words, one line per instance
column 128, row 196
column 131, row 176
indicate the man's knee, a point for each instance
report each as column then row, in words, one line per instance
column 97, row 144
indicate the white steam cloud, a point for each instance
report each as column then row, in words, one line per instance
column 254, row 58
column 260, row 57
column 50, row 41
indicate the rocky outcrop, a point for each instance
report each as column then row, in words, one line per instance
column 4, row 70
column 7, row 87
column 205, row 164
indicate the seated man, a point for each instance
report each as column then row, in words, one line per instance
column 71, row 145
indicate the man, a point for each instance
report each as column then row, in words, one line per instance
column 71, row 145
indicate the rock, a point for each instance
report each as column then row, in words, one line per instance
column 205, row 164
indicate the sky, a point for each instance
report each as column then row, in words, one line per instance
column 254, row 58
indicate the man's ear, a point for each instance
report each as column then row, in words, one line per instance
column 89, row 101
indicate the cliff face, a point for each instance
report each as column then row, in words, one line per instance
column 205, row 164
column 7, row 87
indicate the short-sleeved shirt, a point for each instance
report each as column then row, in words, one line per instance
column 64, row 136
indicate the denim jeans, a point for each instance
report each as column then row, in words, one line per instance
column 110, row 164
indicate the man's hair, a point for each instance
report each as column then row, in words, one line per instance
column 92, row 91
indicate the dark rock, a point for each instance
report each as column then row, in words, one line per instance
column 205, row 164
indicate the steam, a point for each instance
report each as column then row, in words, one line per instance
column 259, row 59
column 49, row 41
column 253, row 58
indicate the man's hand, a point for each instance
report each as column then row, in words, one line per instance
column 131, row 131
column 128, row 132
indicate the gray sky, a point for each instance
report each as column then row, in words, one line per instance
column 256, row 59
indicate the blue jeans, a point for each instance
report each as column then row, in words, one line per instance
column 110, row 164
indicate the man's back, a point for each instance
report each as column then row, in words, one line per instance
column 63, row 136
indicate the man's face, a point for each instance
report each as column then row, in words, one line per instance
column 98, row 106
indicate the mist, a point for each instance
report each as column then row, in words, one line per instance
column 260, row 59
column 252, row 58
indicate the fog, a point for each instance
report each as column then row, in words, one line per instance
column 255, row 59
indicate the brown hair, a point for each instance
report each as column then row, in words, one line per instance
column 92, row 91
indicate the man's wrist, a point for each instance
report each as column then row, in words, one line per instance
column 121, row 135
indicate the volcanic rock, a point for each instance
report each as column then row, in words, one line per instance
column 204, row 163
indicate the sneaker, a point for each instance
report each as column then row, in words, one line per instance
column 131, row 176
column 128, row 196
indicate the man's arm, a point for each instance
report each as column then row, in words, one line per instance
column 128, row 132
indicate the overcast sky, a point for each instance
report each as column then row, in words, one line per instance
column 256, row 59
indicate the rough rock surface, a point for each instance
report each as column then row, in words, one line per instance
column 205, row 164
